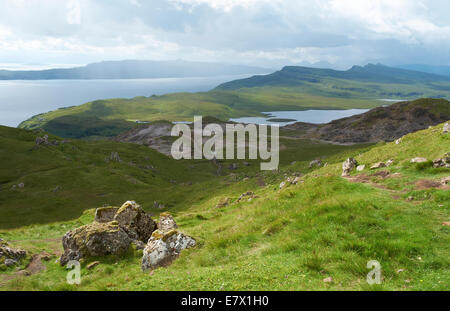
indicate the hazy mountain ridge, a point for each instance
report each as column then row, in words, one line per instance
column 134, row 69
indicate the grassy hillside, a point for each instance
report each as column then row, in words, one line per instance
column 62, row 181
column 293, row 88
column 289, row 239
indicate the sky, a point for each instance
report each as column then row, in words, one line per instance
column 268, row 33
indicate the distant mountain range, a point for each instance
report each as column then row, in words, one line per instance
column 292, row 76
column 135, row 69
column 439, row 70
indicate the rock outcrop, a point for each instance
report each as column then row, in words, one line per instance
column 96, row 239
column 164, row 247
column 10, row 256
column 378, row 165
column 348, row 166
column 166, row 223
column 105, row 214
column 135, row 221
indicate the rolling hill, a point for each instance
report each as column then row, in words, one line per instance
column 291, row 89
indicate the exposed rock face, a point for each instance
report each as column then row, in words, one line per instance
column 164, row 247
column 382, row 123
column 166, row 223
column 348, row 166
column 105, row 214
column 10, row 256
column 418, row 160
column 135, row 222
column 389, row 163
column 96, row 239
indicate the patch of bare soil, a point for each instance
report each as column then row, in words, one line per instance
column 425, row 184
column 34, row 267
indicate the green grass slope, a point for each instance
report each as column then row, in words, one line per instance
column 294, row 238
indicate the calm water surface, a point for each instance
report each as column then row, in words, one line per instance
column 20, row 100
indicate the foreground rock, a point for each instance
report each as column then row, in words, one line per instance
column 93, row 240
column 112, row 233
column 135, row 221
column 348, row 166
column 164, row 247
column 10, row 256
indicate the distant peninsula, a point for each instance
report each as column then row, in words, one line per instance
column 135, row 69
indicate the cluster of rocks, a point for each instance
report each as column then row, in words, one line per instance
column 115, row 229
column 44, row 141
column 18, row 186
column 444, row 162
column 249, row 195
column 293, row 180
column 10, row 256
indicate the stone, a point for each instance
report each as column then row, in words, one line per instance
column 445, row 180
column 399, row 141
column 135, row 221
column 282, row 185
column 296, row 180
column 105, row 214
column 92, row 265
column 163, row 248
column 377, row 166
column 114, row 157
column 446, row 128
column 444, row 162
column 389, row 163
column 348, row 166
column 10, row 256
column 94, row 240
column 315, row 163
column 10, row 262
column 361, row 168
column 328, row 280
column 166, row 223
column 418, row 160
column 21, row 185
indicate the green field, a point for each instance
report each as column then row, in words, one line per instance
column 289, row 239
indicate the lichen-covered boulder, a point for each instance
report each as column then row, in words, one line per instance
column 10, row 256
column 135, row 221
column 348, row 166
column 419, row 160
column 105, row 214
column 164, row 247
column 166, row 223
column 95, row 239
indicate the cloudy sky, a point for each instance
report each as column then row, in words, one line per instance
column 270, row 33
